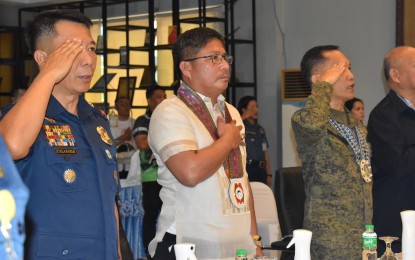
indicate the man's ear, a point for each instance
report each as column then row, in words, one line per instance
column 315, row 78
column 40, row 57
column 394, row 75
column 185, row 68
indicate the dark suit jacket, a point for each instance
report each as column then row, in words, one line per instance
column 391, row 132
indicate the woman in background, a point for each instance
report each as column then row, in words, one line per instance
column 356, row 108
column 257, row 158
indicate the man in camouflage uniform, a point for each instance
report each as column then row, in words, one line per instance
column 338, row 193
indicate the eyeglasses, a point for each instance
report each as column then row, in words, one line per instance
column 215, row 58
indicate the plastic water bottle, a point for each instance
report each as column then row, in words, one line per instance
column 113, row 118
column 241, row 254
column 369, row 243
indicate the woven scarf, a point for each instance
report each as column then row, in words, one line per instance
column 356, row 140
column 233, row 163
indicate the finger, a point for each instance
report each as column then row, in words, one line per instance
column 68, row 45
column 69, row 49
column 219, row 119
column 66, row 52
column 74, row 48
column 340, row 66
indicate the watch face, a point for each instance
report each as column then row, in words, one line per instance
column 256, row 238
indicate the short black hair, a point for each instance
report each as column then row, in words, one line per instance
column 313, row 57
column 150, row 91
column 44, row 24
column 121, row 97
column 243, row 103
column 350, row 103
column 190, row 42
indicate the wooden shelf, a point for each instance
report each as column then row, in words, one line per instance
column 126, row 67
column 120, row 27
column 198, row 20
column 124, row 28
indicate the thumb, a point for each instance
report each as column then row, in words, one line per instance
column 219, row 120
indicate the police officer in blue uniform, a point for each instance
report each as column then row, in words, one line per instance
column 13, row 199
column 63, row 146
column 257, row 158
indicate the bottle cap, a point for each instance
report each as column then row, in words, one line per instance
column 371, row 227
column 241, row 252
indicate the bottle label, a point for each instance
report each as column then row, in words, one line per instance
column 369, row 242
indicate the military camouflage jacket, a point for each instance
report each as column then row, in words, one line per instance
column 338, row 200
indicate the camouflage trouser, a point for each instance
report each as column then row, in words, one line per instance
column 331, row 243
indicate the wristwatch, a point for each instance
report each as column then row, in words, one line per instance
column 257, row 240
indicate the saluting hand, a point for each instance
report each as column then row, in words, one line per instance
column 332, row 74
column 58, row 63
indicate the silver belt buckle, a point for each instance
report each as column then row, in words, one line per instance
column 261, row 164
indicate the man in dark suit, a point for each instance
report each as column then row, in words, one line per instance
column 391, row 134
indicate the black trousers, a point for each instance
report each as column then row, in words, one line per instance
column 152, row 206
column 162, row 250
column 256, row 173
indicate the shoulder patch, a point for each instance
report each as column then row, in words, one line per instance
column 103, row 114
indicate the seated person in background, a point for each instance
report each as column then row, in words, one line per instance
column 151, row 189
column 129, row 200
column 122, row 131
column 17, row 94
column 63, row 147
column 257, row 162
column 356, row 108
column 197, row 140
column 337, row 176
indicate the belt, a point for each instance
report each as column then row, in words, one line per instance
column 254, row 163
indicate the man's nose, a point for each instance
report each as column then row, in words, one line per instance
column 87, row 57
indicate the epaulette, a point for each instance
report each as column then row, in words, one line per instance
column 101, row 112
column 51, row 120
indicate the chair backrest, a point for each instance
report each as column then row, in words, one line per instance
column 266, row 213
column 290, row 196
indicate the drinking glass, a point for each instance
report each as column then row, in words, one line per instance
column 388, row 255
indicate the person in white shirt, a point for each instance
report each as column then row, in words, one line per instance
column 129, row 196
column 122, row 131
column 197, row 139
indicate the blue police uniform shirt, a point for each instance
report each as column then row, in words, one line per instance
column 10, row 181
column 256, row 141
column 71, row 174
column 256, row 144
